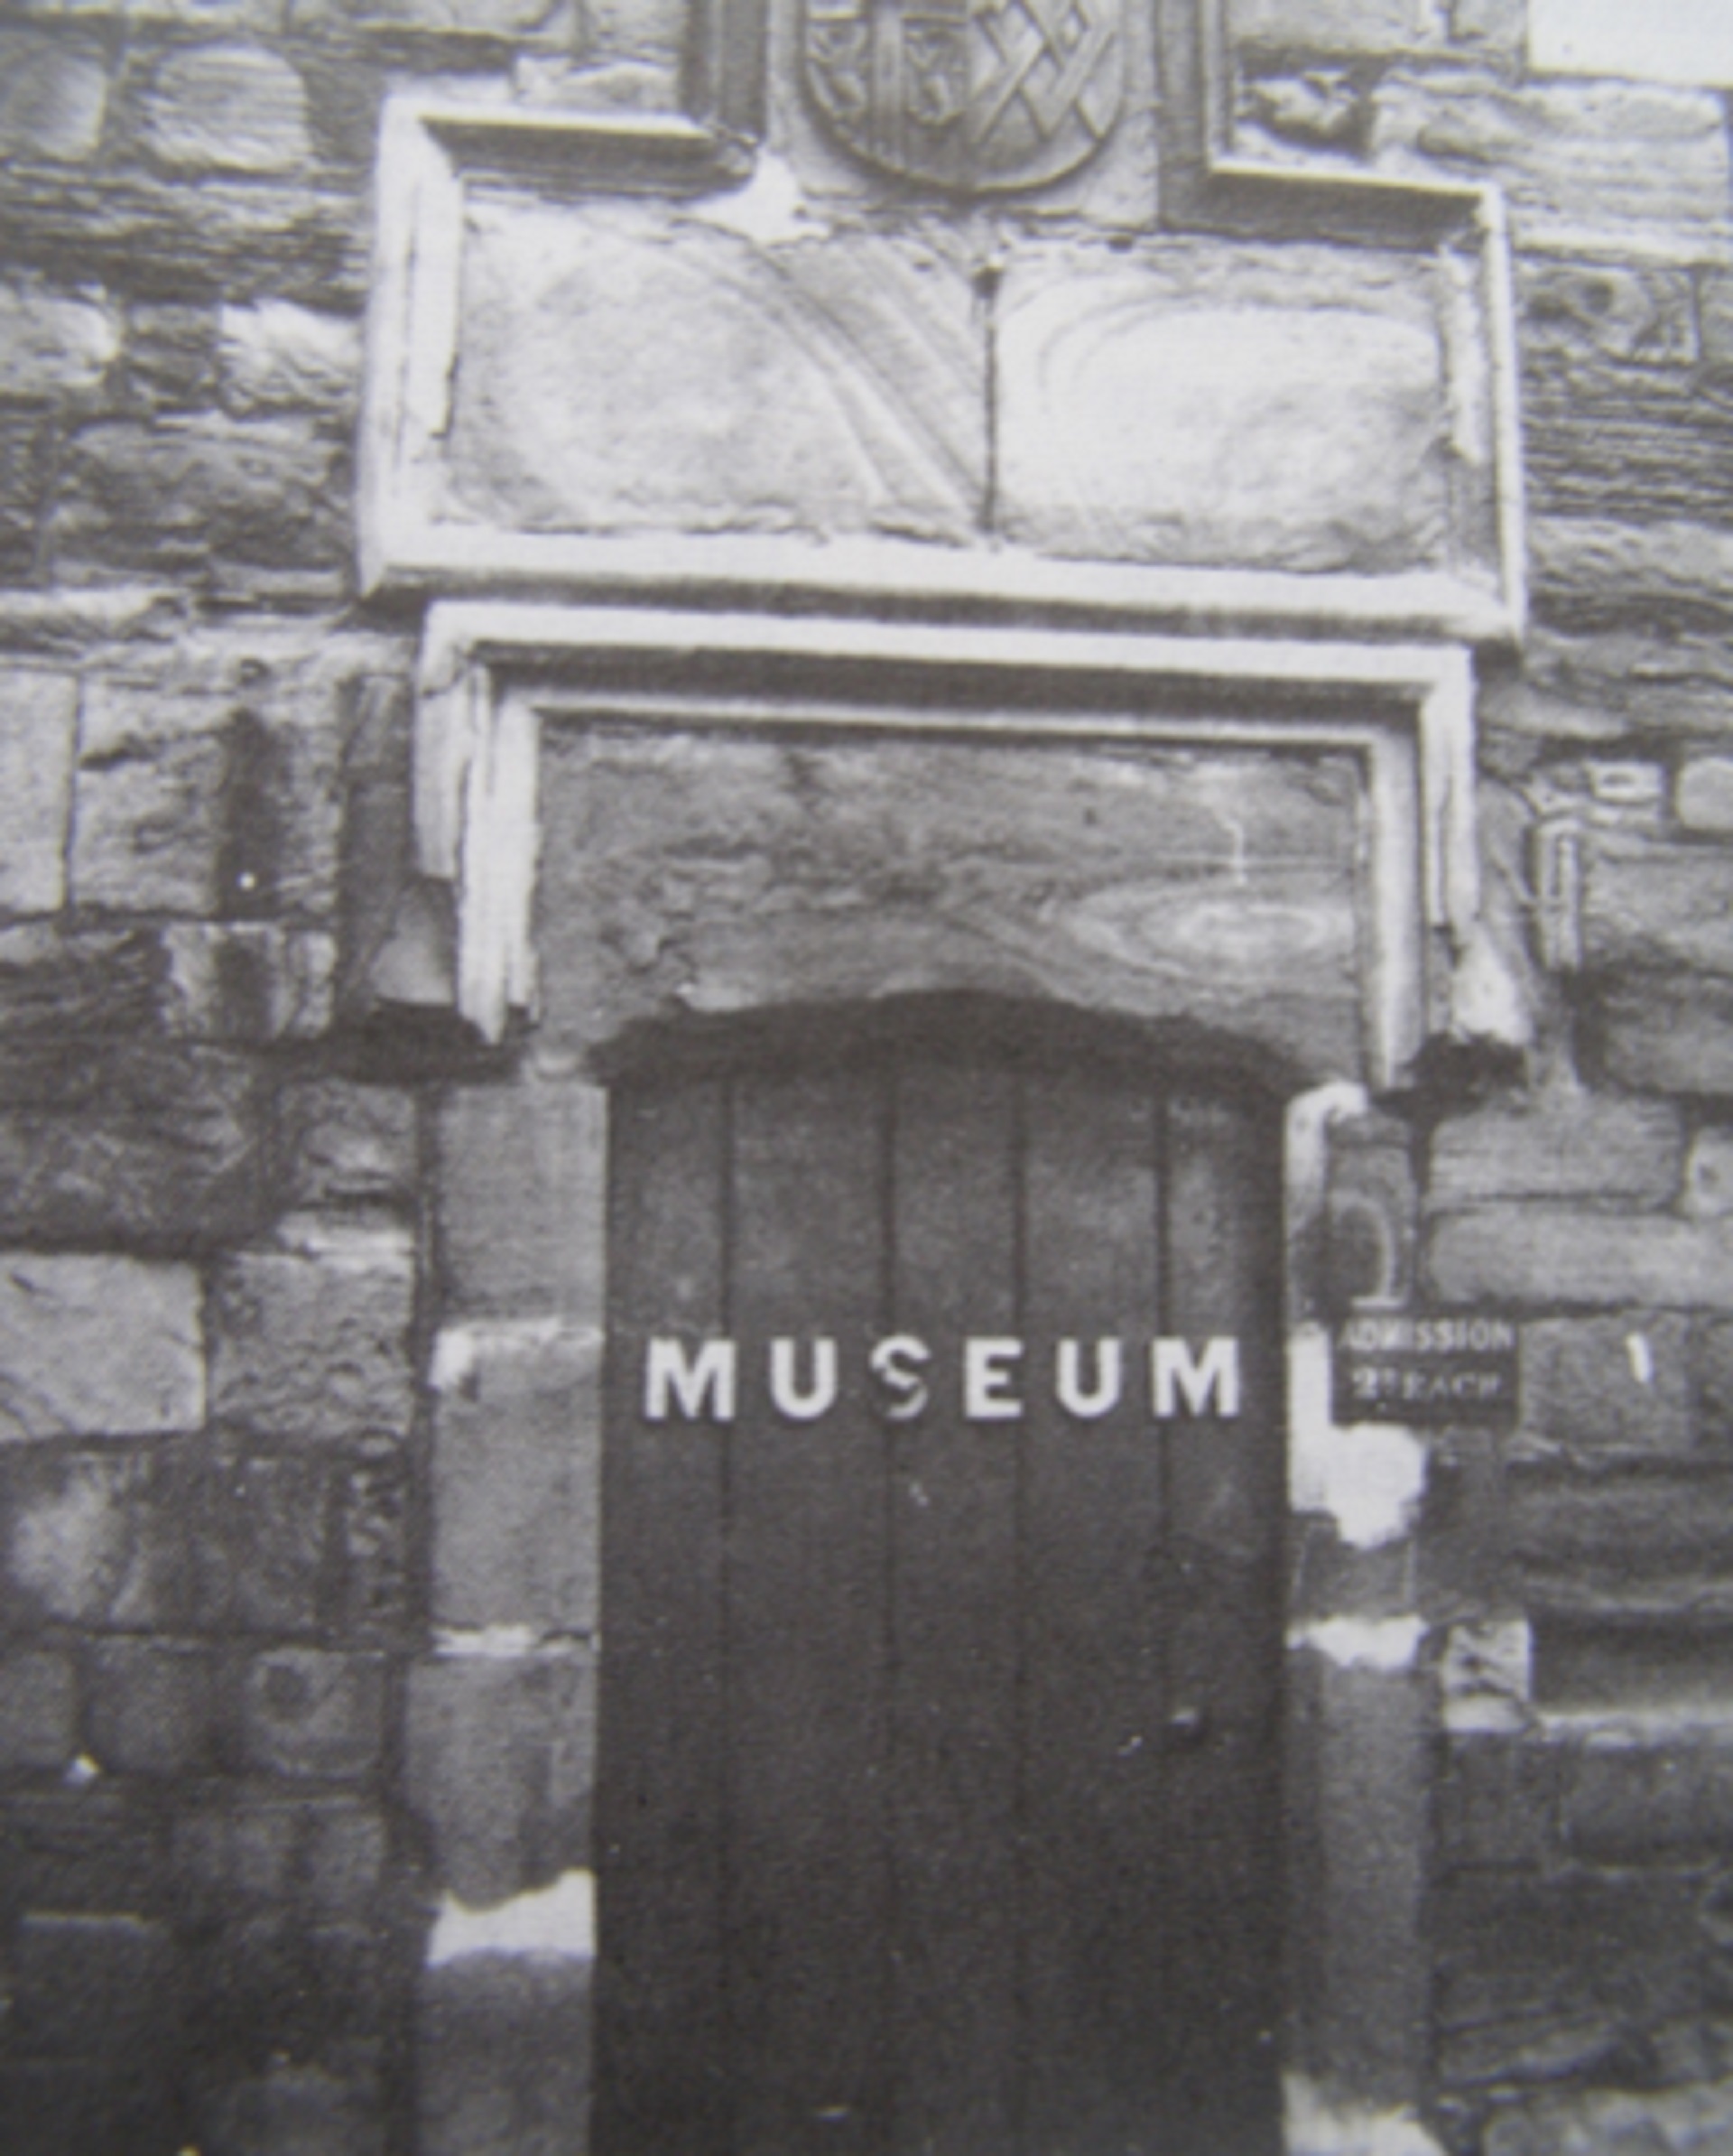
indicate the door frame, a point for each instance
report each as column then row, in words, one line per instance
column 1362, row 1690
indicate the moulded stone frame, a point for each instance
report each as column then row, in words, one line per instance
column 1362, row 1703
column 433, row 152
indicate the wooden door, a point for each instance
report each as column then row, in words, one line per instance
column 939, row 1804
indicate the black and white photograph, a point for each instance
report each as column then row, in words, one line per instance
column 866, row 1078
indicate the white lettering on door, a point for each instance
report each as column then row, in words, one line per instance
column 786, row 1393
column 1174, row 1371
column 1103, row 1396
column 890, row 1363
column 987, row 1375
column 669, row 1370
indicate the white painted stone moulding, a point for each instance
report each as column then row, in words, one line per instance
column 490, row 670
column 414, row 534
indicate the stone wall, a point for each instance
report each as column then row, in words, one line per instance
column 217, row 1276
column 1576, row 1573
column 287, row 1270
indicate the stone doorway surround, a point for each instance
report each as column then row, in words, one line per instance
column 973, row 594
column 501, row 1708
column 958, row 476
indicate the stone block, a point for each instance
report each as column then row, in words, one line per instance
column 38, row 717
column 1596, row 167
column 1565, row 1975
column 1308, row 104
column 1648, row 904
column 824, row 384
column 194, row 14
column 1626, row 1803
column 148, row 795
column 475, row 18
column 251, row 981
column 1594, row 1383
column 92, row 1987
column 53, row 344
column 226, row 109
column 1332, row 1578
column 1561, row 1144
column 98, row 1347
column 53, row 96
column 1714, row 1368
column 278, row 357
column 523, row 1178
column 1715, row 318
column 266, row 717
column 1334, row 25
column 1643, row 316
column 1708, row 1192
column 373, row 1503
column 501, row 1767
column 503, row 2057
column 149, row 1144
column 51, row 2109
column 1498, row 1803
column 1702, row 795
column 97, row 1538
column 59, row 984
column 27, row 462
column 1358, row 1960
column 171, row 356
column 311, row 1715
column 295, row 2110
column 191, row 493
column 155, row 1706
column 1497, row 25
column 1598, row 1541
column 1225, row 372
column 1672, row 1033
column 1617, row 443
column 515, row 1475
column 1486, row 1668
column 1605, row 2122
column 229, row 1857
column 310, row 1341
column 345, row 1850
column 347, row 1144
column 85, row 1851
column 1536, row 1256
column 1211, row 889
column 39, row 1708
column 322, row 1859
column 265, row 1555
column 1606, row 574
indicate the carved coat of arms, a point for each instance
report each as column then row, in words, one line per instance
column 967, row 94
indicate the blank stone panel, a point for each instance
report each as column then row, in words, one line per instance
column 729, row 873
column 623, row 369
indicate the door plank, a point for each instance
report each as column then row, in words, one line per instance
column 1098, row 1984
column 1225, row 1481
column 662, row 2024
column 807, row 1557
column 955, row 1626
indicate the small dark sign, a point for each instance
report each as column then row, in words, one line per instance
column 1425, row 1368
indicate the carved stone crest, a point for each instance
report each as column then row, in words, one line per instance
column 967, row 94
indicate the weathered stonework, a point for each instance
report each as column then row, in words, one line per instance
column 310, row 1341
column 99, row 1347
column 302, row 1622
column 40, row 712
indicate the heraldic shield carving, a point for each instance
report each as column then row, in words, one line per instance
column 967, row 94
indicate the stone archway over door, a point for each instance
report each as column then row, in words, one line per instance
column 939, row 1808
